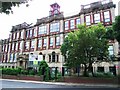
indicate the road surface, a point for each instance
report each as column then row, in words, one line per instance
column 11, row 85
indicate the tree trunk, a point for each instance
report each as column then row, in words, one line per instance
column 78, row 70
column 70, row 71
column 85, row 70
column 90, row 69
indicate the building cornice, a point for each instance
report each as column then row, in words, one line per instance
column 49, row 19
column 97, row 6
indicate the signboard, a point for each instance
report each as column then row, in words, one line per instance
column 32, row 57
column 40, row 57
column 35, row 62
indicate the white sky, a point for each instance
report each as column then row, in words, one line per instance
column 37, row 10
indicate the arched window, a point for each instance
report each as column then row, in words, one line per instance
column 53, row 56
column 40, row 53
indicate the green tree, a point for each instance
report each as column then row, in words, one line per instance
column 116, row 27
column 47, row 74
column 110, row 33
column 6, row 7
column 84, row 46
column 42, row 67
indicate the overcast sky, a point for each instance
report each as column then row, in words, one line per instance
column 37, row 10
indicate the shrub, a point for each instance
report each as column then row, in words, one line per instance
column 99, row 74
column 52, row 75
column 42, row 67
column 47, row 75
column 109, row 74
column 24, row 72
column 10, row 71
column 102, row 74
column 59, row 75
column 39, row 73
column 31, row 72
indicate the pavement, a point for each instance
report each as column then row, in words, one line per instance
column 66, row 84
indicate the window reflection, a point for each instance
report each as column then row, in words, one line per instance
column 54, row 27
column 87, row 20
column 42, row 30
column 106, row 16
column 97, row 18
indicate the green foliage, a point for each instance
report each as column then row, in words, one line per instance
column 47, row 75
column 31, row 72
column 7, row 6
column 19, row 69
column 116, row 28
column 84, row 45
column 43, row 65
column 24, row 72
column 39, row 73
column 102, row 74
column 110, row 33
column 59, row 76
column 10, row 71
column 52, row 75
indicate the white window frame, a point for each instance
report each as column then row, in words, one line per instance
column 106, row 16
column 51, row 41
column 3, row 48
column 39, row 43
column 78, row 21
column 58, row 40
column 15, row 57
column 27, row 44
column 14, row 35
column 55, row 27
column 31, row 32
column 97, row 18
column 13, row 45
column 72, row 24
column 42, row 29
column 6, row 48
column 87, row 18
column 11, row 57
column 33, row 44
column 45, row 42
column 21, row 36
column 20, row 45
column 34, row 32
column 27, row 35
column 66, row 25
column 17, row 35
column 16, row 48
